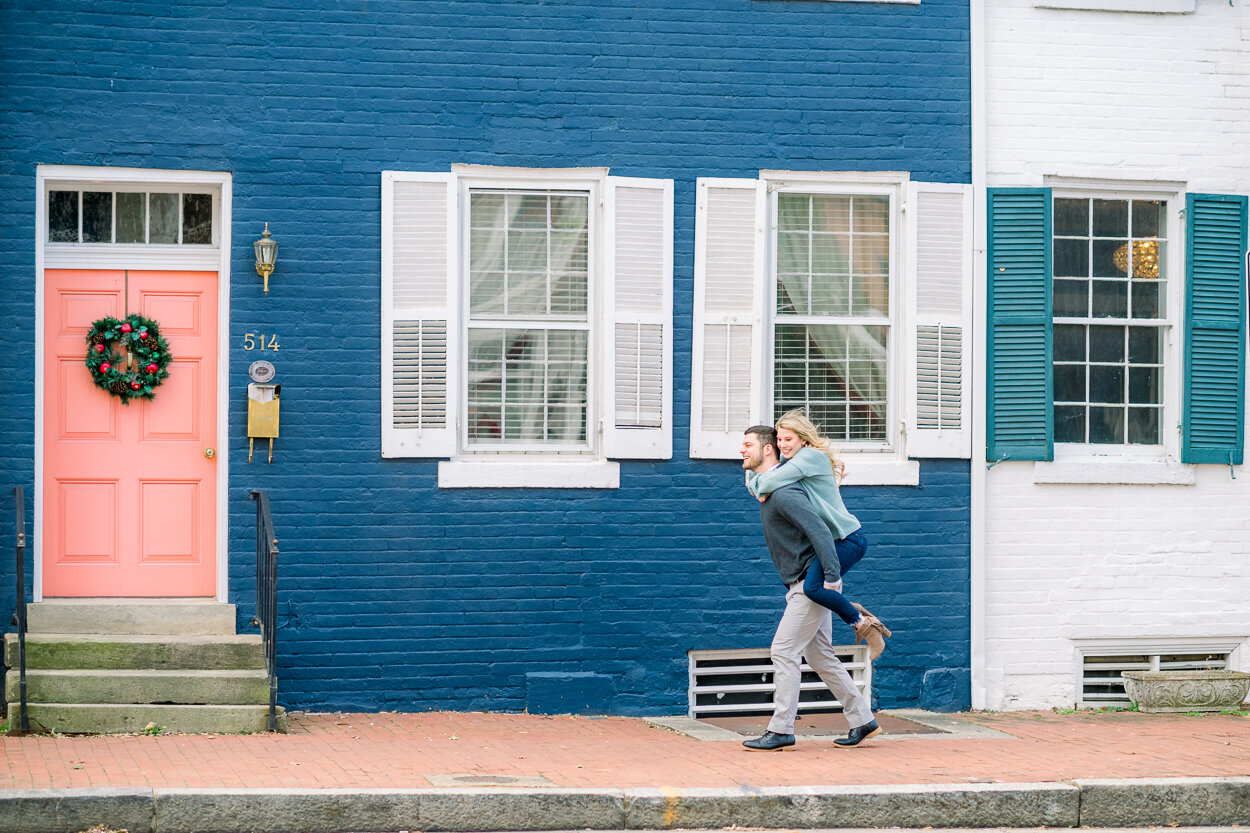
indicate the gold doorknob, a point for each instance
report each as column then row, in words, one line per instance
column 209, row 453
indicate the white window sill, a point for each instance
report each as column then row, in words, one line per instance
column 526, row 474
column 1115, row 471
column 1140, row 6
column 889, row 472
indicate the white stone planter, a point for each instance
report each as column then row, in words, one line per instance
column 1186, row 691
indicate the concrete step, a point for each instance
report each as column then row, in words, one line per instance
column 131, row 616
column 95, row 718
column 51, row 651
column 142, row 686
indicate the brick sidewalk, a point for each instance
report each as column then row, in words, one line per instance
column 404, row 750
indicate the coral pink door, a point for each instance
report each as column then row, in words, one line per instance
column 129, row 491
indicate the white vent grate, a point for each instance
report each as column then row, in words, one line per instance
column 737, row 683
column 1101, row 684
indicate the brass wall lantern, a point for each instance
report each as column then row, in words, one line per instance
column 266, row 255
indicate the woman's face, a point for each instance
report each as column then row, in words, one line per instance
column 788, row 442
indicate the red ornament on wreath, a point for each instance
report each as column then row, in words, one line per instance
column 127, row 357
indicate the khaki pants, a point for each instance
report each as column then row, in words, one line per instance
column 805, row 631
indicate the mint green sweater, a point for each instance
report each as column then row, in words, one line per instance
column 811, row 468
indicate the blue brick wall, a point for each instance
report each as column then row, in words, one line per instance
column 396, row 595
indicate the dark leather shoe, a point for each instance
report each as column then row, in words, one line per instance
column 770, row 741
column 859, row 734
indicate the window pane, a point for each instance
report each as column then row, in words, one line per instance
column 1069, row 383
column 1145, row 299
column 831, row 212
column 1071, row 217
column 1106, row 344
column 528, row 211
column 1069, row 343
column 1071, row 299
column 1148, row 218
column 527, row 386
column 1106, row 383
column 197, row 219
column 793, row 210
column 870, row 282
column 1069, row 424
column 1071, row 258
column 1143, row 386
column 569, row 212
column 63, row 216
column 830, row 255
column 1110, row 299
column 830, row 294
column 528, row 255
column 131, row 219
column 1110, row 259
column 163, row 223
column 838, row 373
column 1143, row 345
column 870, row 215
column 1143, row 425
column 1106, row 425
column 1145, row 258
column 1110, row 218
column 97, row 217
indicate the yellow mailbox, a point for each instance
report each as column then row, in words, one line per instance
column 262, row 415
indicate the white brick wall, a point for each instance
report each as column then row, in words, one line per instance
column 1078, row 93
column 1113, row 96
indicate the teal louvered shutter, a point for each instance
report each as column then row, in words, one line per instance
column 1215, row 334
column 1019, row 378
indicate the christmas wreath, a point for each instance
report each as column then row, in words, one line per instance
column 127, row 357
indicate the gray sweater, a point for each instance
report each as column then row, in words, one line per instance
column 795, row 535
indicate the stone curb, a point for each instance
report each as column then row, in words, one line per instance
column 1096, row 803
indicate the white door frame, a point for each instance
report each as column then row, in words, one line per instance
column 122, row 256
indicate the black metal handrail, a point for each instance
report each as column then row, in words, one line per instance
column 19, row 611
column 267, row 595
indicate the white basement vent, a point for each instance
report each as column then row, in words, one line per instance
column 739, row 683
column 1101, row 684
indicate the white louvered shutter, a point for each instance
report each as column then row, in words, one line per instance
column 420, row 288
column 728, row 315
column 638, row 363
column 939, row 218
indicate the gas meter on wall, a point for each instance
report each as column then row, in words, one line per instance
column 262, row 407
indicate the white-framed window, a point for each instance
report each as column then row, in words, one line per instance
column 1112, row 303
column 527, row 320
column 844, row 294
column 1115, row 330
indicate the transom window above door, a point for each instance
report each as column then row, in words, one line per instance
column 130, row 217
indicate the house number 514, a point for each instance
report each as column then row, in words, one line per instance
column 253, row 341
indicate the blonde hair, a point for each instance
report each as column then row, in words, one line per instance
column 807, row 432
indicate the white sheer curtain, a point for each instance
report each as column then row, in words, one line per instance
column 528, row 332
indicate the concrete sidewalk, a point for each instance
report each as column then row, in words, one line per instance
column 475, row 771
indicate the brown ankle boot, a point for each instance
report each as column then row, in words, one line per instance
column 869, row 630
column 869, row 616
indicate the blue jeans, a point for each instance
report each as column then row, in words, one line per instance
column 850, row 551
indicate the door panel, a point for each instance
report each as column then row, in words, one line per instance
column 129, row 498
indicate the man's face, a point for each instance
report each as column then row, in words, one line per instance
column 754, row 455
